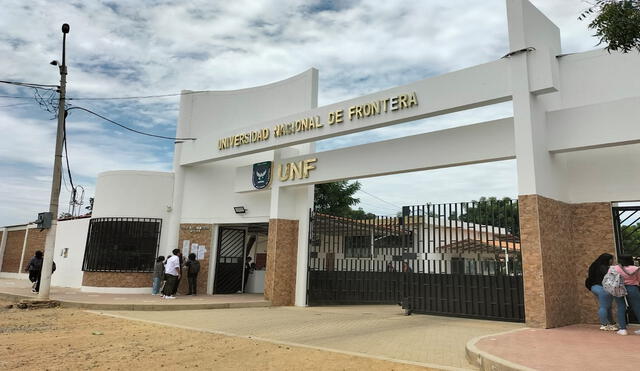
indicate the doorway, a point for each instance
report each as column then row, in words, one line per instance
column 241, row 258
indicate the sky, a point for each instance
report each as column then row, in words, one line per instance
column 140, row 48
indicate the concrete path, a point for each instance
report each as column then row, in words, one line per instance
column 14, row 289
column 379, row 331
column 571, row 348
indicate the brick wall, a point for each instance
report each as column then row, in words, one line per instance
column 200, row 234
column 559, row 241
column 13, row 252
column 35, row 241
column 117, row 279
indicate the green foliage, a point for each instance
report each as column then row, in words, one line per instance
column 631, row 239
column 616, row 23
column 360, row 214
column 337, row 199
column 491, row 211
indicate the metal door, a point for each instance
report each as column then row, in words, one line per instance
column 230, row 261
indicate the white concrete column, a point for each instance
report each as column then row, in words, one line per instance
column 3, row 244
column 172, row 230
column 533, row 73
column 24, row 247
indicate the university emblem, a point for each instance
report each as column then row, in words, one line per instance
column 261, row 174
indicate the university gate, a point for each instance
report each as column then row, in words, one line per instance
column 455, row 259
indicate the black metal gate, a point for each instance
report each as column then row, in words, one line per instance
column 626, row 223
column 230, row 261
column 458, row 259
column 627, row 229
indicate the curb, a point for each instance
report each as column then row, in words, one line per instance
column 143, row 307
column 488, row 362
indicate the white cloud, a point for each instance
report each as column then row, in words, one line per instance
column 159, row 46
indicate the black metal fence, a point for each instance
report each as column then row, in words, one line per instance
column 459, row 259
column 122, row 244
column 627, row 230
column 626, row 223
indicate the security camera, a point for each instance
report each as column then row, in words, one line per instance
column 53, row 63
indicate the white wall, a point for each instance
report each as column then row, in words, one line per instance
column 71, row 235
column 135, row 194
column 209, row 197
column 604, row 174
column 597, row 76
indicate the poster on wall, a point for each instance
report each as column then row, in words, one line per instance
column 194, row 248
column 185, row 247
column 201, row 251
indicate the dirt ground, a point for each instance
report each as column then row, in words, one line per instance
column 69, row 339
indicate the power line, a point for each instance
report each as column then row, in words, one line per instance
column 14, row 97
column 141, row 96
column 376, row 197
column 64, row 181
column 66, row 155
column 16, row 104
column 126, row 127
column 378, row 204
column 30, row 85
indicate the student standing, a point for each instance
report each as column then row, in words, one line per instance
column 597, row 270
column 158, row 275
column 180, row 259
column 193, row 267
column 172, row 273
column 631, row 276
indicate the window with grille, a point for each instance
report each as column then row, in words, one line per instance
column 122, row 244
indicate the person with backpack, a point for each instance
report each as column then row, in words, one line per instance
column 597, row 270
column 628, row 272
column 193, row 267
column 35, row 270
column 35, row 267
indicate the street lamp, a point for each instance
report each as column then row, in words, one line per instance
column 49, row 246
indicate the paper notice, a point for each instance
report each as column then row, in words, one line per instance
column 201, row 251
column 194, row 248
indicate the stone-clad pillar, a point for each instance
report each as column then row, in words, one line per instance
column 282, row 249
column 559, row 241
column 548, row 261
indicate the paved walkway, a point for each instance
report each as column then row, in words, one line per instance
column 578, row 347
column 74, row 298
column 379, row 331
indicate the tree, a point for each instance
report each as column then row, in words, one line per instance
column 491, row 211
column 360, row 214
column 630, row 239
column 337, row 199
column 616, row 22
